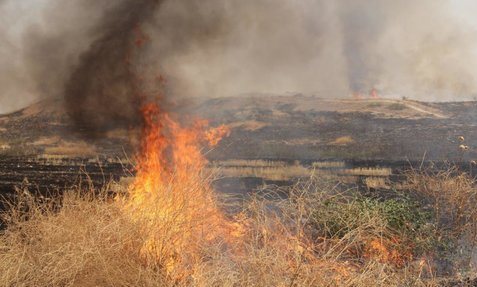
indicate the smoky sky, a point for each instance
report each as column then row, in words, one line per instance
column 211, row 48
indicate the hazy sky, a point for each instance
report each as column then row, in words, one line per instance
column 424, row 49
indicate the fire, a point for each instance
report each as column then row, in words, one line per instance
column 170, row 196
column 171, row 199
column 373, row 94
column 382, row 251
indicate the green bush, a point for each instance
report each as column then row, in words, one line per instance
column 397, row 218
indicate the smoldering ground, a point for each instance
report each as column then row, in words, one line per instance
column 422, row 49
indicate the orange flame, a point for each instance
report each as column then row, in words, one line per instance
column 170, row 197
column 382, row 251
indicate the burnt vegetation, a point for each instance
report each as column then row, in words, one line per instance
column 122, row 183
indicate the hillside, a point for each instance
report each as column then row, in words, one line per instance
column 301, row 127
column 274, row 127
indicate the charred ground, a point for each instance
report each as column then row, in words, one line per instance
column 273, row 127
column 41, row 147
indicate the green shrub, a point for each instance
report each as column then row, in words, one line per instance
column 398, row 219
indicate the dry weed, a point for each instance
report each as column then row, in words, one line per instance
column 318, row 235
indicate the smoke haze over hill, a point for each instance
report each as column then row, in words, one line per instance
column 421, row 49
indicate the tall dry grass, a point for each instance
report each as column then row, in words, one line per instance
column 87, row 241
column 289, row 172
column 319, row 235
column 451, row 196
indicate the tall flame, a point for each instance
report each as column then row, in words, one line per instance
column 170, row 196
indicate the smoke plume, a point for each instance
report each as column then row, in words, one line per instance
column 103, row 89
column 81, row 50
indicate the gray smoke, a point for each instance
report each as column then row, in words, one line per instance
column 41, row 41
column 423, row 49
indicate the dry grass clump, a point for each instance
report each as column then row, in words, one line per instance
column 86, row 242
column 72, row 149
column 249, row 163
column 282, row 171
column 318, row 235
column 271, row 173
column 451, row 196
column 342, row 141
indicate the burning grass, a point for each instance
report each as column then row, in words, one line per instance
column 319, row 235
column 91, row 241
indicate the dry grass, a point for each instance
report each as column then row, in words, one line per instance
column 368, row 171
column 249, row 125
column 4, row 146
column 329, row 164
column 250, row 163
column 275, row 171
column 271, row 173
column 56, row 146
column 451, row 195
column 87, row 242
column 342, row 141
column 71, row 149
column 320, row 235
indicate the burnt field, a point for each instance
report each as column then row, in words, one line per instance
column 45, row 177
column 369, row 142
column 296, row 127
column 236, row 177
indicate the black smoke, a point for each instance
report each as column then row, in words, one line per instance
column 104, row 90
